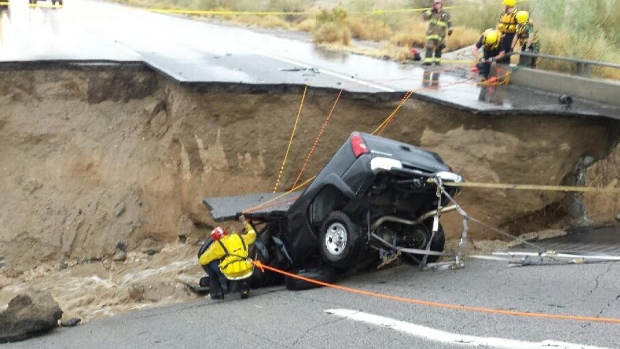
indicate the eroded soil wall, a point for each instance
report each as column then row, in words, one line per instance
column 96, row 156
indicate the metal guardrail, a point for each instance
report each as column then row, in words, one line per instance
column 583, row 67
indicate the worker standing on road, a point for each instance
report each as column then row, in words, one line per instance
column 507, row 26
column 227, row 255
column 493, row 51
column 527, row 36
column 439, row 25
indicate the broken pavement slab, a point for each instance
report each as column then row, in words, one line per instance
column 252, row 205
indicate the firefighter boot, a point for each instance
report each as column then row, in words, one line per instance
column 244, row 285
column 438, row 56
column 428, row 59
column 215, row 288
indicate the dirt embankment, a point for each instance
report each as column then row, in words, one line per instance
column 93, row 157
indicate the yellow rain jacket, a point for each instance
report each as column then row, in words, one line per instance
column 233, row 249
column 508, row 22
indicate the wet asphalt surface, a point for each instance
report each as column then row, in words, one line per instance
column 194, row 53
column 206, row 54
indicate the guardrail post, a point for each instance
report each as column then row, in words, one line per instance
column 578, row 68
column 587, row 68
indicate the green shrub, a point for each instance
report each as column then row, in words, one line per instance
column 414, row 34
column 368, row 29
column 332, row 32
column 307, row 25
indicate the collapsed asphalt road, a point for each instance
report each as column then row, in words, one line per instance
column 277, row 318
column 197, row 52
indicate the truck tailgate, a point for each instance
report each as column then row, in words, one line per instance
column 260, row 206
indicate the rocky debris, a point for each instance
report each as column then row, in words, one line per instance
column 136, row 292
column 151, row 251
column 121, row 252
column 71, row 322
column 463, row 54
column 29, row 315
column 155, row 107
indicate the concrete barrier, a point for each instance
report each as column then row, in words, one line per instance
column 600, row 90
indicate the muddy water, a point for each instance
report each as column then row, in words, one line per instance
column 98, row 289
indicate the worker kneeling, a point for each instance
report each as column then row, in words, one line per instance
column 227, row 255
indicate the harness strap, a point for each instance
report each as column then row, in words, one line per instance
column 228, row 254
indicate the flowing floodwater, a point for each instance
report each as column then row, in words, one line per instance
column 106, row 288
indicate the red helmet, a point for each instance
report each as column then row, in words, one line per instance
column 218, row 233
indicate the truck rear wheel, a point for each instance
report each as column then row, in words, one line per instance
column 418, row 236
column 324, row 275
column 340, row 240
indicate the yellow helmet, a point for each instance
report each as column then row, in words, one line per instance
column 522, row 17
column 511, row 3
column 490, row 37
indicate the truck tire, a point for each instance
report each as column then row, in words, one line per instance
column 340, row 241
column 420, row 235
column 324, row 275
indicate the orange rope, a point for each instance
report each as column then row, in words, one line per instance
column 387, row 120
column 288, row 148
column 316, row 140
column 379, row 130
column 444, row 305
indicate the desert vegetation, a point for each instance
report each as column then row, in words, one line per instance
column 572, row 28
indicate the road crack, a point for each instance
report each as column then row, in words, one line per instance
column 596, row 280
column 613, row 300
column 314, row 328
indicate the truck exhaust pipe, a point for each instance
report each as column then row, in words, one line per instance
column 421, row 219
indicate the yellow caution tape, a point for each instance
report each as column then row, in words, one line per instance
column 226, row 12
column 533, row 187
column 277, row 13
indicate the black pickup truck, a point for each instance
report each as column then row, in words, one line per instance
column 375, row 198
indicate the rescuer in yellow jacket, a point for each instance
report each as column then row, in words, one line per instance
column 527, row 38
column 507, row 25
column 227, row 255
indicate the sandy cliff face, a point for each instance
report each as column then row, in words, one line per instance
column 93, row 157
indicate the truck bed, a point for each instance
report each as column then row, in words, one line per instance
column 258, row 206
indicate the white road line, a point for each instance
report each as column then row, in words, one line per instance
column 334, row 74
column 434, row 335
